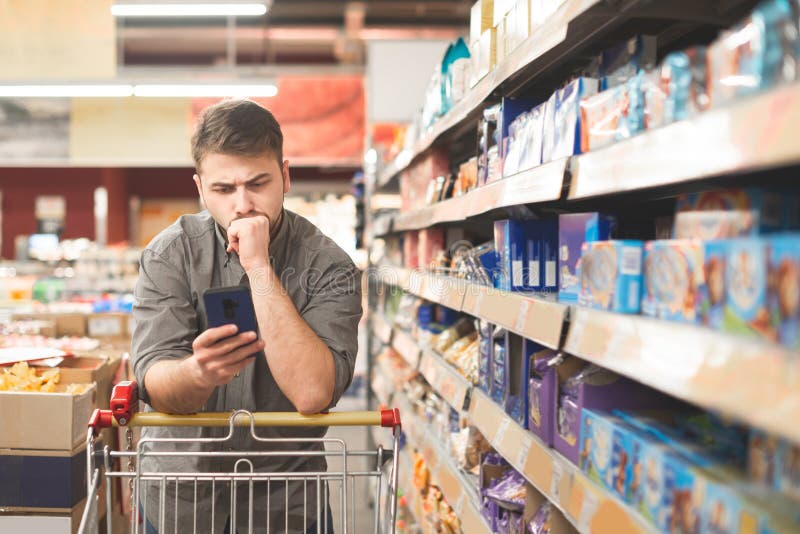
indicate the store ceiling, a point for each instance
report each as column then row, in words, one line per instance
column 304, row 32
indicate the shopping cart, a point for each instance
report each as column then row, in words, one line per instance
column 182, row 498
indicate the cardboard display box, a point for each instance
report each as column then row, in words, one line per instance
column 45, row 421
column 66, row 324
column 108, row 325
column 52, row 480
column 98, row 367
column 36, row 522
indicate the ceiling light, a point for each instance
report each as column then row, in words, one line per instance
column 205, row 90
column 253, row 9
column 65, row 91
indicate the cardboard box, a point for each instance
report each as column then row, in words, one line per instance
column 108, row 325
column 487, row 53
column 66, row 324
column 481, row 18
column 47, row 421
column 98, row 368
column 611, row 275
column 541, row 396
column 53, row 480
column 673, row 279
column 31, row 522
column 575, row 229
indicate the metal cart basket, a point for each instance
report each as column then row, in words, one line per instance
column 237, row 495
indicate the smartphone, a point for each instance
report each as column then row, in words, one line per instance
column 230, row 305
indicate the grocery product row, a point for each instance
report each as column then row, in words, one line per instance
column 607, row 451
column 620, row 93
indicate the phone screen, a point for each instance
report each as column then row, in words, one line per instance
column 230, row 305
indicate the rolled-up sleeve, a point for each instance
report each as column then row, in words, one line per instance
column 333, row 311
column 164, row 316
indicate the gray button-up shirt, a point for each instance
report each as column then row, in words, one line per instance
column 179, row 264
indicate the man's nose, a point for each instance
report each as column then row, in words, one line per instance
column 244, row 204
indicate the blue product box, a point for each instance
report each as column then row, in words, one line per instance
column 673, row 278
column 746, row 288
column 575, row 229
column 620, row 63
column 542, row 257
column 784, row 289
column 722, row 509
column 567, row 118
column 510, row 109
column 510, row 240
column 485, row 377
column 499, row 367
column 768, row 205
column 31, row 480
column 712, row 292
column 597, row 448
column 518, row 356
column 611, row 275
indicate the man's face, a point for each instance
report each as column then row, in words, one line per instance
column 234, row 187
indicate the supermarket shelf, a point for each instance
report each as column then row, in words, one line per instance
column 382, row 384
column 407, row 347
column 406, row 480
column 754, row 381
column 382, row 328
column 454, row 485
column 445, row 379
column 540, row 184
column 524, row 314
column 552, row 33
column 393, row 276
column 754, row 134
column 587, row 506
column 528, row 315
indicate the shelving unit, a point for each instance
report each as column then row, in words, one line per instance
column 751, row 381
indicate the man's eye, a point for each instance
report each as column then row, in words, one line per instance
column 256, row 185
column 223, row 190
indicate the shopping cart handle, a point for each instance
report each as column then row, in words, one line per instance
column 124, row 401
column 100, row 419
column 391, row 419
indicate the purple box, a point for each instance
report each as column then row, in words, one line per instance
column 600, row 390
column 542, row 395
column 575, row 229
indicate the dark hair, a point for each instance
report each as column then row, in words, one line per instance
column 237, row 127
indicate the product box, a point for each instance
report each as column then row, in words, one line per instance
column 622, row 62
column 713, row 292
column 99, row 368
column 575, row 229
column 46, row 421
column 710, row 225
column 767, row 207
column 47, row 523
column 542, row 387
column 480, row 19
column 603, row 118
column 567, row 118
column 487, row 53
column 605, row 452
column 746, row 288
column 611, row 275
column 499, row 366
column 784, row 289
column 511, row 109
column 523, row 146
column 673, row 278
column 519, row 352
column 542, row 257
column 108, row 326
column 549, row 128
column 431, row 243
column 510, row 241
column 485, row 345
column 43, row 479
column 655, row 88
column 411, row 249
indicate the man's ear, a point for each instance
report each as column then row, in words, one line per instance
column 287, row 182
column 199, row 185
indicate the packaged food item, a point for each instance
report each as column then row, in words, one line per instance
column 575, row 229
column 713, row 292
column 611, row 275
column 541, row 257
column 655, row 87
column 606, row 452
column 499, row 359
column 549, row 129
column 510, row 240
column 541, row 396
column 784, row 289
column 710, row 225
column 746, row 288
column 673, row 278
column 485, row 342
column 624, row 61
column 567, row 117
column 448, row 337
column 540, row 523
column 508, row 490
column 758, row 211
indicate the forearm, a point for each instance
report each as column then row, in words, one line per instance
column 174, row 388
column 300, row 362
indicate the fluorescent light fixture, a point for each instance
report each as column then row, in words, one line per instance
column 251, row 9
column 205, row 90
column 66, row 91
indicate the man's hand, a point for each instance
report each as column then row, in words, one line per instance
column 249, row 237
column 219, row 354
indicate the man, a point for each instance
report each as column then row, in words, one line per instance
column 306, row 294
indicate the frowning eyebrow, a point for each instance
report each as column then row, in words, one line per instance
column 252, row 180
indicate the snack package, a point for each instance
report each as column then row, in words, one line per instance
column 611, row 275
column 624, row 61
column 485, row 342
column 710, row 225
column 713, row 292
column 673, row 278
column 784, row 289
column 757, row 211
column 603, row 117
column 508, row 491
column 499, row 369
column 575, row 229
column 567, row 117
column 540, row 522
column 746, row 288
column 655, row 87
